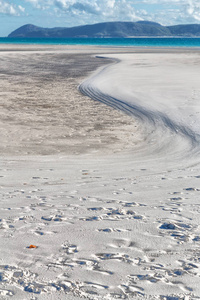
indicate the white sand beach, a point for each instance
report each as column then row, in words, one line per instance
column 110, row 198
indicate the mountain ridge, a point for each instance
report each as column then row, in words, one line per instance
column 107, row 30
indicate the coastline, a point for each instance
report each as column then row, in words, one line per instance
column 111, row 217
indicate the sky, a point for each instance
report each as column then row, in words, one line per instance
column 68, row 13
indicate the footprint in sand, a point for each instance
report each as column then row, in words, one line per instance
column 70, row 248
column 6, row 293
column 122, row 243
column 95, row 208
column 21, row 278
column 196, row 239
column 189, row 267
column 123, row 213
column 179, row 231
column 191, row 189
column 94, row 218
column 97, row 285
column 132, row 290
column 176, row 198
column 114, row 256
column 108, row 230
column 175, row 225
column 56, row 218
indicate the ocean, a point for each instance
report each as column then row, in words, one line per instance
column 115, row 42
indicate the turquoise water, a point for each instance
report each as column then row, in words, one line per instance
column 123, row 42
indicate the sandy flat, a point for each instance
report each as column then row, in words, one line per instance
column 110, row 198
column 42, row 111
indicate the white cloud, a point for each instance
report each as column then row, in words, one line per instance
column 78, row 12
column 170, row 12
column 103, row 10
column 73, row 6
column 44, row 4
column 163, row 11
column 21, row 8
column 8, row 9
column 193, row 10
column 64, row 4
column 35, row 3
column 111, row 3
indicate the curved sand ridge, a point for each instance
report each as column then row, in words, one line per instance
column 160, row 100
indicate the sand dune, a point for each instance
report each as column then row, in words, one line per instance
column 116, row 219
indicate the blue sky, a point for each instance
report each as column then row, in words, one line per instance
column 68, row 13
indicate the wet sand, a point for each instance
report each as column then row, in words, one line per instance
column 42, row 111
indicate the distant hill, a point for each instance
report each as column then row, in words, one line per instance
column 185, row 30
column 107, row 30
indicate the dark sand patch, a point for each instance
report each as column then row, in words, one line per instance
column 42, row 111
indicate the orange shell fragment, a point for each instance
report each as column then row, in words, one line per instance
column 32, row 246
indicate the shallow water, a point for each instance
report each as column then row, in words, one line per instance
column 122, row 42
